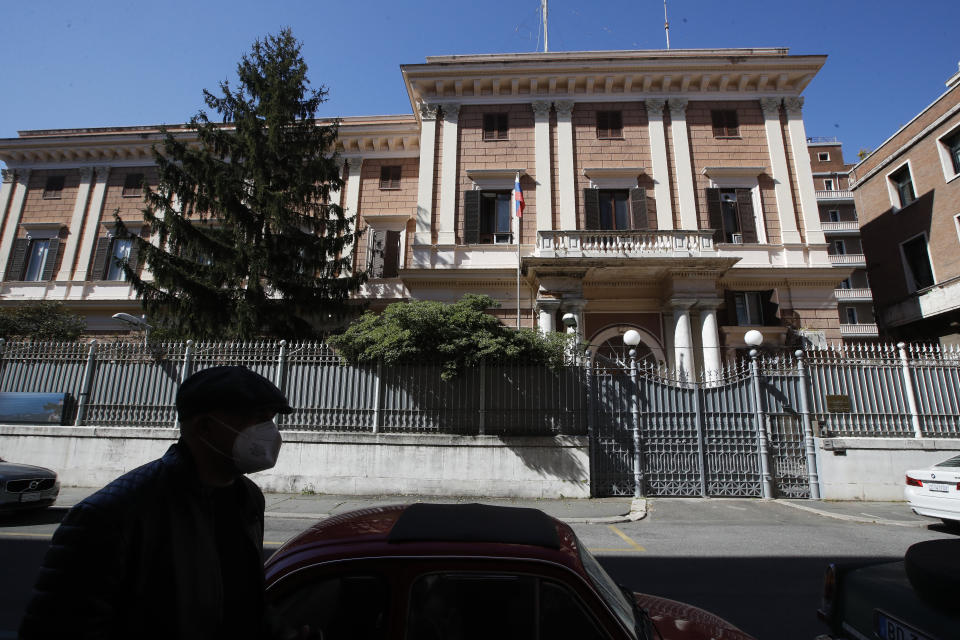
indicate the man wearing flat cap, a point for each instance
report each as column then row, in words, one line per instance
column 172, row 549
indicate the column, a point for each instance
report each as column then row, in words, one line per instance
column 548, row 313
column 661, row 164
column 334, row 195
column 76, row 225
column 686, row 190
column 808, row 195
column 575, row 306
column 447, row 221
column 90, row 229
column 428, row 143
column 544, row 173
column 780, row 171
column 352, row 204
column 14, row 181
column 567, row 180
column 682, row 341
column 710, row 339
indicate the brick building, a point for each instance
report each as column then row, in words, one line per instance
column 908, row 195
column 666, row 191
column 841, row 228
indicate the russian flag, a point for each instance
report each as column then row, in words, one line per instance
column 518, row 197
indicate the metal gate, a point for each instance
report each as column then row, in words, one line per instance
column 728, row 436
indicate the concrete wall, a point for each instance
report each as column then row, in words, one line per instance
column 874, row 468
column 346, row 463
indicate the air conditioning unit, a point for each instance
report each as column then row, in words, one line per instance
column 736, row 238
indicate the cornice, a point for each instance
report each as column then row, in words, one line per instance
column 611, row 75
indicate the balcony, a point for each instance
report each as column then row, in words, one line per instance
column 847, row 227
column 853, row 295
column 864, row 330
column 835, row 195
column 848, row 260
column 624, row 244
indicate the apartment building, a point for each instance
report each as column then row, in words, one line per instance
column 669, row 192
column 841, row 228
column 908, row 196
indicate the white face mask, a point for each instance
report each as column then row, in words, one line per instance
column 256, row 447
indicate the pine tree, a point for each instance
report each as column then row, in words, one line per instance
column 247, row 243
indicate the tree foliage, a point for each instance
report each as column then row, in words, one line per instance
column 454, row 335
column 44, row 321
column 246, row 243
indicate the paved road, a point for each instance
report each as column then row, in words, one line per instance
column 757, row 563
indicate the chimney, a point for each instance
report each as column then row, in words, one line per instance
column 955, row 79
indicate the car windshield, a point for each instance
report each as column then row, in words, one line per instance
column 952, row 462
column 608, row 589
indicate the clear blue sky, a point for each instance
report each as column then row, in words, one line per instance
column 115, row 63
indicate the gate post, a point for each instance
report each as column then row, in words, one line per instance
column 766, row 480
column 483, row 397
column 635, row 420
column 85, row 384
column 280, row 375
column 701, row 443
column 910, row 392
column 591, row 424
column 812, row 474
column 377, row 393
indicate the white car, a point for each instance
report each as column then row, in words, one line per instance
column 935, row 491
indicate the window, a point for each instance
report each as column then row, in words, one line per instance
column 37, row 256
column 834, row 216
column 494, row 126
column 902, row 183
column 119, row 252
column 851, row 315
column 731, row 215
column 334, row 608
column 390, row 177
column 749, row 308
column 725, row 124
column 609, row 124
column 916, row 258
column 950, row 147
column 459, row 605
column 133, row 185
column 53, row 189
column 839, row 247
column 828, row 184
column 495, row 217
column 615, row 209
column 823, row 156
column 384, row 253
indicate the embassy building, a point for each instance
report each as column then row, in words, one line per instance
column 665, row 191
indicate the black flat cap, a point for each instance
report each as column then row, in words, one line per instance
column 229, row 389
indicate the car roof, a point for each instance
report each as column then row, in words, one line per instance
column 431, row 531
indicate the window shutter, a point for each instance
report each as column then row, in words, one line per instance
column 134, row 259
column 99, row 270
column 53, row 251
column 770, row 307
column 748, row 224
column 715, row 212
column 376, row 254
column 591, row 208
column 638, row 208
column 471, row 217
column 17, row 257
column 718, row 128
column 391, row 255
column 731, row 300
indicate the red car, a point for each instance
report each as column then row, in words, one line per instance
column 461, row 572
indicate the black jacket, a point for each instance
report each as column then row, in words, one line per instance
column 139, row 559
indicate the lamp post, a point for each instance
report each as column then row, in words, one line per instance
column 632, row 338
column 140, row 323
column 754, row 338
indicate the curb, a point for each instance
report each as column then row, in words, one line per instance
column 638, row 511
column 850, row 518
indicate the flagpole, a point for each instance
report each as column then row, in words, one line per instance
column 516, row 208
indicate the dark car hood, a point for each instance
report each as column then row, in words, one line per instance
column 12, row 469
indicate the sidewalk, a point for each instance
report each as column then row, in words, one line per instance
column 298, row 506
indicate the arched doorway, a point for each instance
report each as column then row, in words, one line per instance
column 608, row 344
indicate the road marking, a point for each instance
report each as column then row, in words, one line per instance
column 633, row 545
column 25, row 535
column 615, row 550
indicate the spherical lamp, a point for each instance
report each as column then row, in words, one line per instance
column 753, row 338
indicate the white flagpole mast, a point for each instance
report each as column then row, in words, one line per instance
column 519, row 225
column 543, row 4
column 666, row 23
